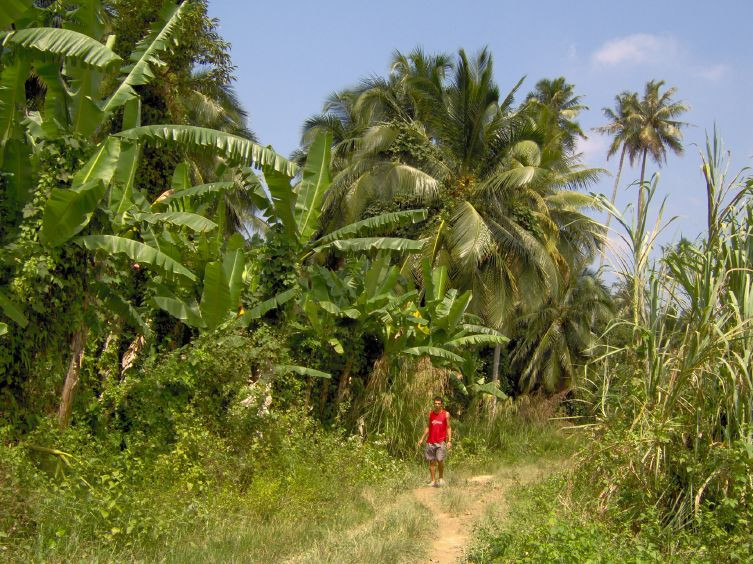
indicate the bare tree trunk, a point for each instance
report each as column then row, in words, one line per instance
column 638, row 278
column 78, row 345
column 495, row 375
column 641, row 202
column 612, row 201
column 323, row 396
column 129, row 357
column 344, row 384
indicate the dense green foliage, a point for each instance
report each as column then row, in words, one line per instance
column 196, row 332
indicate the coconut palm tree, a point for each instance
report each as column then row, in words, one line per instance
column 657, row 128
column 557, row 108
column 506, row 223
column 625, row 140
column 559, row 336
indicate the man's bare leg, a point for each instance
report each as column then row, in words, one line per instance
column 440, row 463
column 432, row 468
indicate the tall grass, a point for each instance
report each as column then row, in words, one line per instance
column 673, row 389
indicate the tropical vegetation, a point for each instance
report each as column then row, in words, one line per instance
column 197, row 332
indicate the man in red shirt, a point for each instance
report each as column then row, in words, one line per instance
column 438, row 435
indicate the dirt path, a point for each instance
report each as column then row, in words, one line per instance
column 457, row 507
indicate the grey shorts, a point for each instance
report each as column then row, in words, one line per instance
column 435, row 451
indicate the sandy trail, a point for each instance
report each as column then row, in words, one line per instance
column 471, row 496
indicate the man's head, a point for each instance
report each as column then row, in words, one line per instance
column 438, row 404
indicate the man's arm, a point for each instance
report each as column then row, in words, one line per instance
column 449, row 431
column 426, row 434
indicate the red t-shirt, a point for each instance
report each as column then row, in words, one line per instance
column 437, row 427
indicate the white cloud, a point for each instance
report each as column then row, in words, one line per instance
column 636, row 49
column 714, row 73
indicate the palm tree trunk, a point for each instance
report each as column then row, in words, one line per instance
column 495, row 375
column 612, row 201
column 78, row 345
column 641, row 199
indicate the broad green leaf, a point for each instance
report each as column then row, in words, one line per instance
column 273, row 303
column 471, row 328
column 102, row 165
column 146, row 54
column 474, row 340
column 337, row 345
column 12, row 310
column 125, row 174
column 12, row 98
column 282, row 199
column 434, row 352
column 11, row 10
column 181, row 180
column 385, row 220
column 132, row 113
column 69, row 210
column 193, row 221
column 234, row 264
column 215, row 297
column 3, row 329
column 187, row 313
column 121, row 307
column 47, row 43
column 301, row 371
column 19, row 170
column 315, row 181
column 364, row 244
column 439, row 280
column 489, row 388
column 457, row 310
column 236, row 149
column 137, row 252
column 199, row 190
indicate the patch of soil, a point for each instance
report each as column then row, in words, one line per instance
column 453, row 532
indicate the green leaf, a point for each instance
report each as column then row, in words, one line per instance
column 11, row 10
column 337, row 345
column 385, row 220
column 193, row 221
column 234, row 264
column 434, row 352
column 137, row 252
column 68, row 211
column 48, row 43
column 187, row 313
column 3, row 329
column 19, row 170
column 279, row 187
column 215, row 298
column 301, row 371
column 199, row 190
column 13, row 310
column 489, row 388
column 145, row 56
column 181, row 180
column 236, row 149
column 102, row 165
column 364, row 244
column 316, row 180
column 12, row 98
column 273, row 303
column 474, row 340
column 121, row 307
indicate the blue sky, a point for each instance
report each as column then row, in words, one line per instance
column 291, row 54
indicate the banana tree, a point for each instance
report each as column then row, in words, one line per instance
column 98, row 210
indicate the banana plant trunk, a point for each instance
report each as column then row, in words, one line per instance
column 78, row 346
